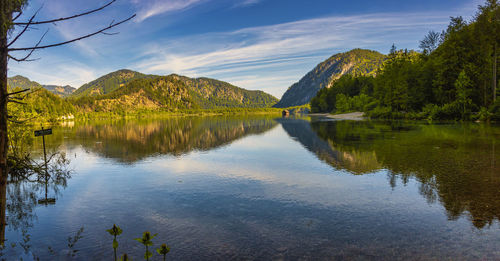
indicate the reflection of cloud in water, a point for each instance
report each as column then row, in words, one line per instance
column 130, row 142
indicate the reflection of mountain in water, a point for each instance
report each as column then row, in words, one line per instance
column 355, row 161
column 133, row 141
column 455, row 164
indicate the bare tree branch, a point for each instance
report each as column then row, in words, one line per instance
column 18, row 102
column 25, row 58
column 24, row 29
column 14, row 93
column 17, row 16
column 69, row 17
column 70, row 41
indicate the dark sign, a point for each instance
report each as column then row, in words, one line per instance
column 43, row 132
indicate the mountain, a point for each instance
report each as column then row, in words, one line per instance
column 127, row 91
column 164, row 92
column 175, row 92
column 205, row 92
column 21, row 82
column 210, row 93
column 62, row 91
column 355, row 62
column 38, row 103
column 109, row 82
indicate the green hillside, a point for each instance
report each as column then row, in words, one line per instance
column 109, row 82
column 454, row 77
column 62, row 91
column 39, row 103
column 355, row 62
column 165, row 93
column 210, row 93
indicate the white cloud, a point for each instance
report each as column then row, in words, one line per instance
column 277, row 50
column 150, row 8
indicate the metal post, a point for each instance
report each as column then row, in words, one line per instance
column 46, row 168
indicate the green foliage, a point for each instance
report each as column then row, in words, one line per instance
column 354, row 93
column 163, row 250
column 173, row 93
column 146, row 240
column 109, row 82
column 357, row 62
column 40, row 104
column 115, row 231
column 450, row 80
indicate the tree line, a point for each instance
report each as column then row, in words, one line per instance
column 454, row 76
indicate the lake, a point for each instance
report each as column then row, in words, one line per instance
column 264, row 187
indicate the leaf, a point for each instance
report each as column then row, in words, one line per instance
column 115, row 244
column 148, row 255
column 163, row 250
column 115, row 230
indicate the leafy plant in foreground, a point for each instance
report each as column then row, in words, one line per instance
column 163, row 250
column 146, row 240
column 115, row 231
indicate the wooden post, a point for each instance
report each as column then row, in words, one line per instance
column 495, row 73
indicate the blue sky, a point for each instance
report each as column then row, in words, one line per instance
column 255, row 44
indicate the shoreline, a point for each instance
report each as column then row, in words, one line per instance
column 353, row 116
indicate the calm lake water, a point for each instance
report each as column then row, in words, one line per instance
column 261, row 187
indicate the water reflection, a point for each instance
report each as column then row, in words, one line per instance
column 455, row 164
column 271, row 188
column 131, row 141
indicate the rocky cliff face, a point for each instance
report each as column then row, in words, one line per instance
column 61, row 91
column 355, row 62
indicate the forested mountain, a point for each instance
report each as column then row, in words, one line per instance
column 355, row 62
column 167, row 92
column 109, row 82
column 203, row 93
column 20, row 82
column 36, row 103
column 210, row 93
column 62, row 91
column 173, row 93
column 454, row 77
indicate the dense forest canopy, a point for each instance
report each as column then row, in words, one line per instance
column 455, row 76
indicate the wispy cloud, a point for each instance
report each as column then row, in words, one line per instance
column 150, row 8
column 243, row 3
column 281, row 48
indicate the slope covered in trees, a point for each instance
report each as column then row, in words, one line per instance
column 454, row 77
column 172, row 93
column 355, row 62
column 128, row 91
column 20, row 82
column 204, row 93
column 62, row 91
column 109, row 82
column 210, row 93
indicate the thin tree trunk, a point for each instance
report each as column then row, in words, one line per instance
column 495, row 73
column 5, row 14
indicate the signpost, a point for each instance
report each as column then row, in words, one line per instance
column 43, row 132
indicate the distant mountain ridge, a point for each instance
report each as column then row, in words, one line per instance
column 127, row 90
column 355, row 62
column 22, row 82
column 121, row 86
column 109, row 82
column 174, row 92
column 62, row 91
